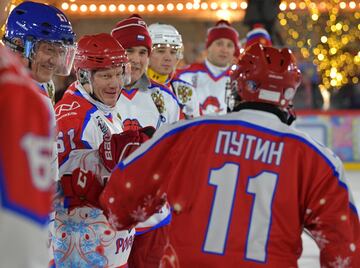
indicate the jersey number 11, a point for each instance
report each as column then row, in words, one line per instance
column 262, row 187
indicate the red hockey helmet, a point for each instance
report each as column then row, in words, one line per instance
column 268, row 75
column 99, row 51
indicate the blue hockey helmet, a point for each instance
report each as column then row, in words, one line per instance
column 31, row 22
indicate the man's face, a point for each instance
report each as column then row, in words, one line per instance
column 46, row 60
column 107, row 84
column 221, row 52
column 163, row 59
column 139, row 59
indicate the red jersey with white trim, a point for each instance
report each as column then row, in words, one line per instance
column 25, row 167
column 83, row 237
column 243, row 188
column 210, row 83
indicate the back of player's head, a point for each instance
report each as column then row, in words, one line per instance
column 132, row 32
column 99, row 51
column 31, row 22
column 267, row 75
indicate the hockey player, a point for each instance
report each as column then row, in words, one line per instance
column 25, row 172
column 25, row 163
column 90, row 142
column 211, row 77
column 46, row 43
column 257, row 34
column 258, row 185
column 43, row 35
column 167, row 51
column 145, row 103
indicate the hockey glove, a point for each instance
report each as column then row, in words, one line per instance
column 116, row 147
column 81, row 188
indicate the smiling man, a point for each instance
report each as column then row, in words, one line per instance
column 46, row 42
column 25, row 164
column 87, row 119
column 144, row 102
column 210, row 77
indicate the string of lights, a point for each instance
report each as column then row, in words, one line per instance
column 325, row 32
column 328, row 34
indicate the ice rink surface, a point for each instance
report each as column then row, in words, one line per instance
column 310, row 256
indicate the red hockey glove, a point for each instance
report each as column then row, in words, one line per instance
column 81, row 188
column 116, row 147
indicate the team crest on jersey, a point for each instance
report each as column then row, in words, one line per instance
column 211, row 105
column 119, row 116
column 50, row 89
column 159, row 101
column 184, row 93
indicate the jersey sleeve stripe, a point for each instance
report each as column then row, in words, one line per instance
column 86, row 121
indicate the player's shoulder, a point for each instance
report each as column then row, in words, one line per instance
column 180, row 82
column 166, row 91
column 71, row 89
column 311, row 143
column 192, row 68
column 72, row 106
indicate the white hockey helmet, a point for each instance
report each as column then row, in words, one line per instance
column 166, row 34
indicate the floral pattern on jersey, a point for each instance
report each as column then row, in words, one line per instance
column 320, row 238
column 114, row 221
column 81, row 238
column 340, row 262
column 139, row 214
column 184, row 93
column 159, row 101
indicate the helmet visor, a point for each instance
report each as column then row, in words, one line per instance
column 59, row 55
column 175, row 49
column 66, row 60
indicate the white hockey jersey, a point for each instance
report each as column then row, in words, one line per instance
column 83, row 237
column 149, row 104
column 210, row 84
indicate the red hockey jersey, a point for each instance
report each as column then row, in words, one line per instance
column 25, row 167
column 243, row 187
